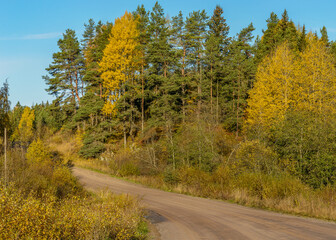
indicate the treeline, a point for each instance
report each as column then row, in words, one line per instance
column 149, row 72
column 157, row 96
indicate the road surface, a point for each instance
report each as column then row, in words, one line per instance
column 181, row 217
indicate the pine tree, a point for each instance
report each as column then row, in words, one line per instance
column 196, row 29
column 142, row 17
column 179, row 42
column 216, row 51
column 95, row 39
column 159, row 49
column 89, row 33
column 65, row 80
column 240, row 75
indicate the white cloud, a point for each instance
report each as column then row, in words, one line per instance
column 42, row 36
column 33, row 36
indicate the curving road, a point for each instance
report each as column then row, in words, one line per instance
column 181, row 217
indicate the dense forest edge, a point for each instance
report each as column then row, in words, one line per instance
column 177, row 104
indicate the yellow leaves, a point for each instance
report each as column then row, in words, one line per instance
column 118, row 63
column 37, row 153
column 97, row 217
column 317, row 78
column 24, row 132
column 305, row 81
column 272, row 92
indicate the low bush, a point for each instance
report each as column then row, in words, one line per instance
column 104, row 216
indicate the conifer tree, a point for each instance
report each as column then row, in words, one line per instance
column 159, row 49
column 142, row 17
column 4, row 108
column 95, row 39
column 196, row 28
column 240, row 75
column 277, row 32
column 216, row 51
column 89, row 33
column 302, row 43
column 324, row 36
column 65, row 73
column 179, row 42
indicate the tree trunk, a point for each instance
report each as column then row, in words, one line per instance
column 5, row 149
column 77, row 87
column 183, row 85
column 238, row 96
column 142, row 99
column 217, row 103
column 211, row 91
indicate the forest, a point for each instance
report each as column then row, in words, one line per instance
column 178, row 104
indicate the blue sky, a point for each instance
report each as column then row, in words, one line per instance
column 29, row 30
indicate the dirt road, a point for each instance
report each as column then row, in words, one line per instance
column 180, row 217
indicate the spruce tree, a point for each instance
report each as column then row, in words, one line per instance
column 324, row 36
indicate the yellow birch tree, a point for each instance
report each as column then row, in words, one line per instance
column 24, row 132
column 118, row 63
column 272, row 93
column 316, row 81
column 299, row 82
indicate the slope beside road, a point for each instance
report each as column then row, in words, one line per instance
column 181, row 217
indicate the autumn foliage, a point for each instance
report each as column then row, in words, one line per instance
column 118, row 63
column 287, row 81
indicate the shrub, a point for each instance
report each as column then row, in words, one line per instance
column 256, row 157
column 37, row 153
column 105, row 216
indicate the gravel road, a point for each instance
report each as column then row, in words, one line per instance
column 181, row 217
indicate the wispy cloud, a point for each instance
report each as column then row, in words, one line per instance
column 42, row 36
column 33, row 36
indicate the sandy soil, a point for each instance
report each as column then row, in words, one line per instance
column 181, row 217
